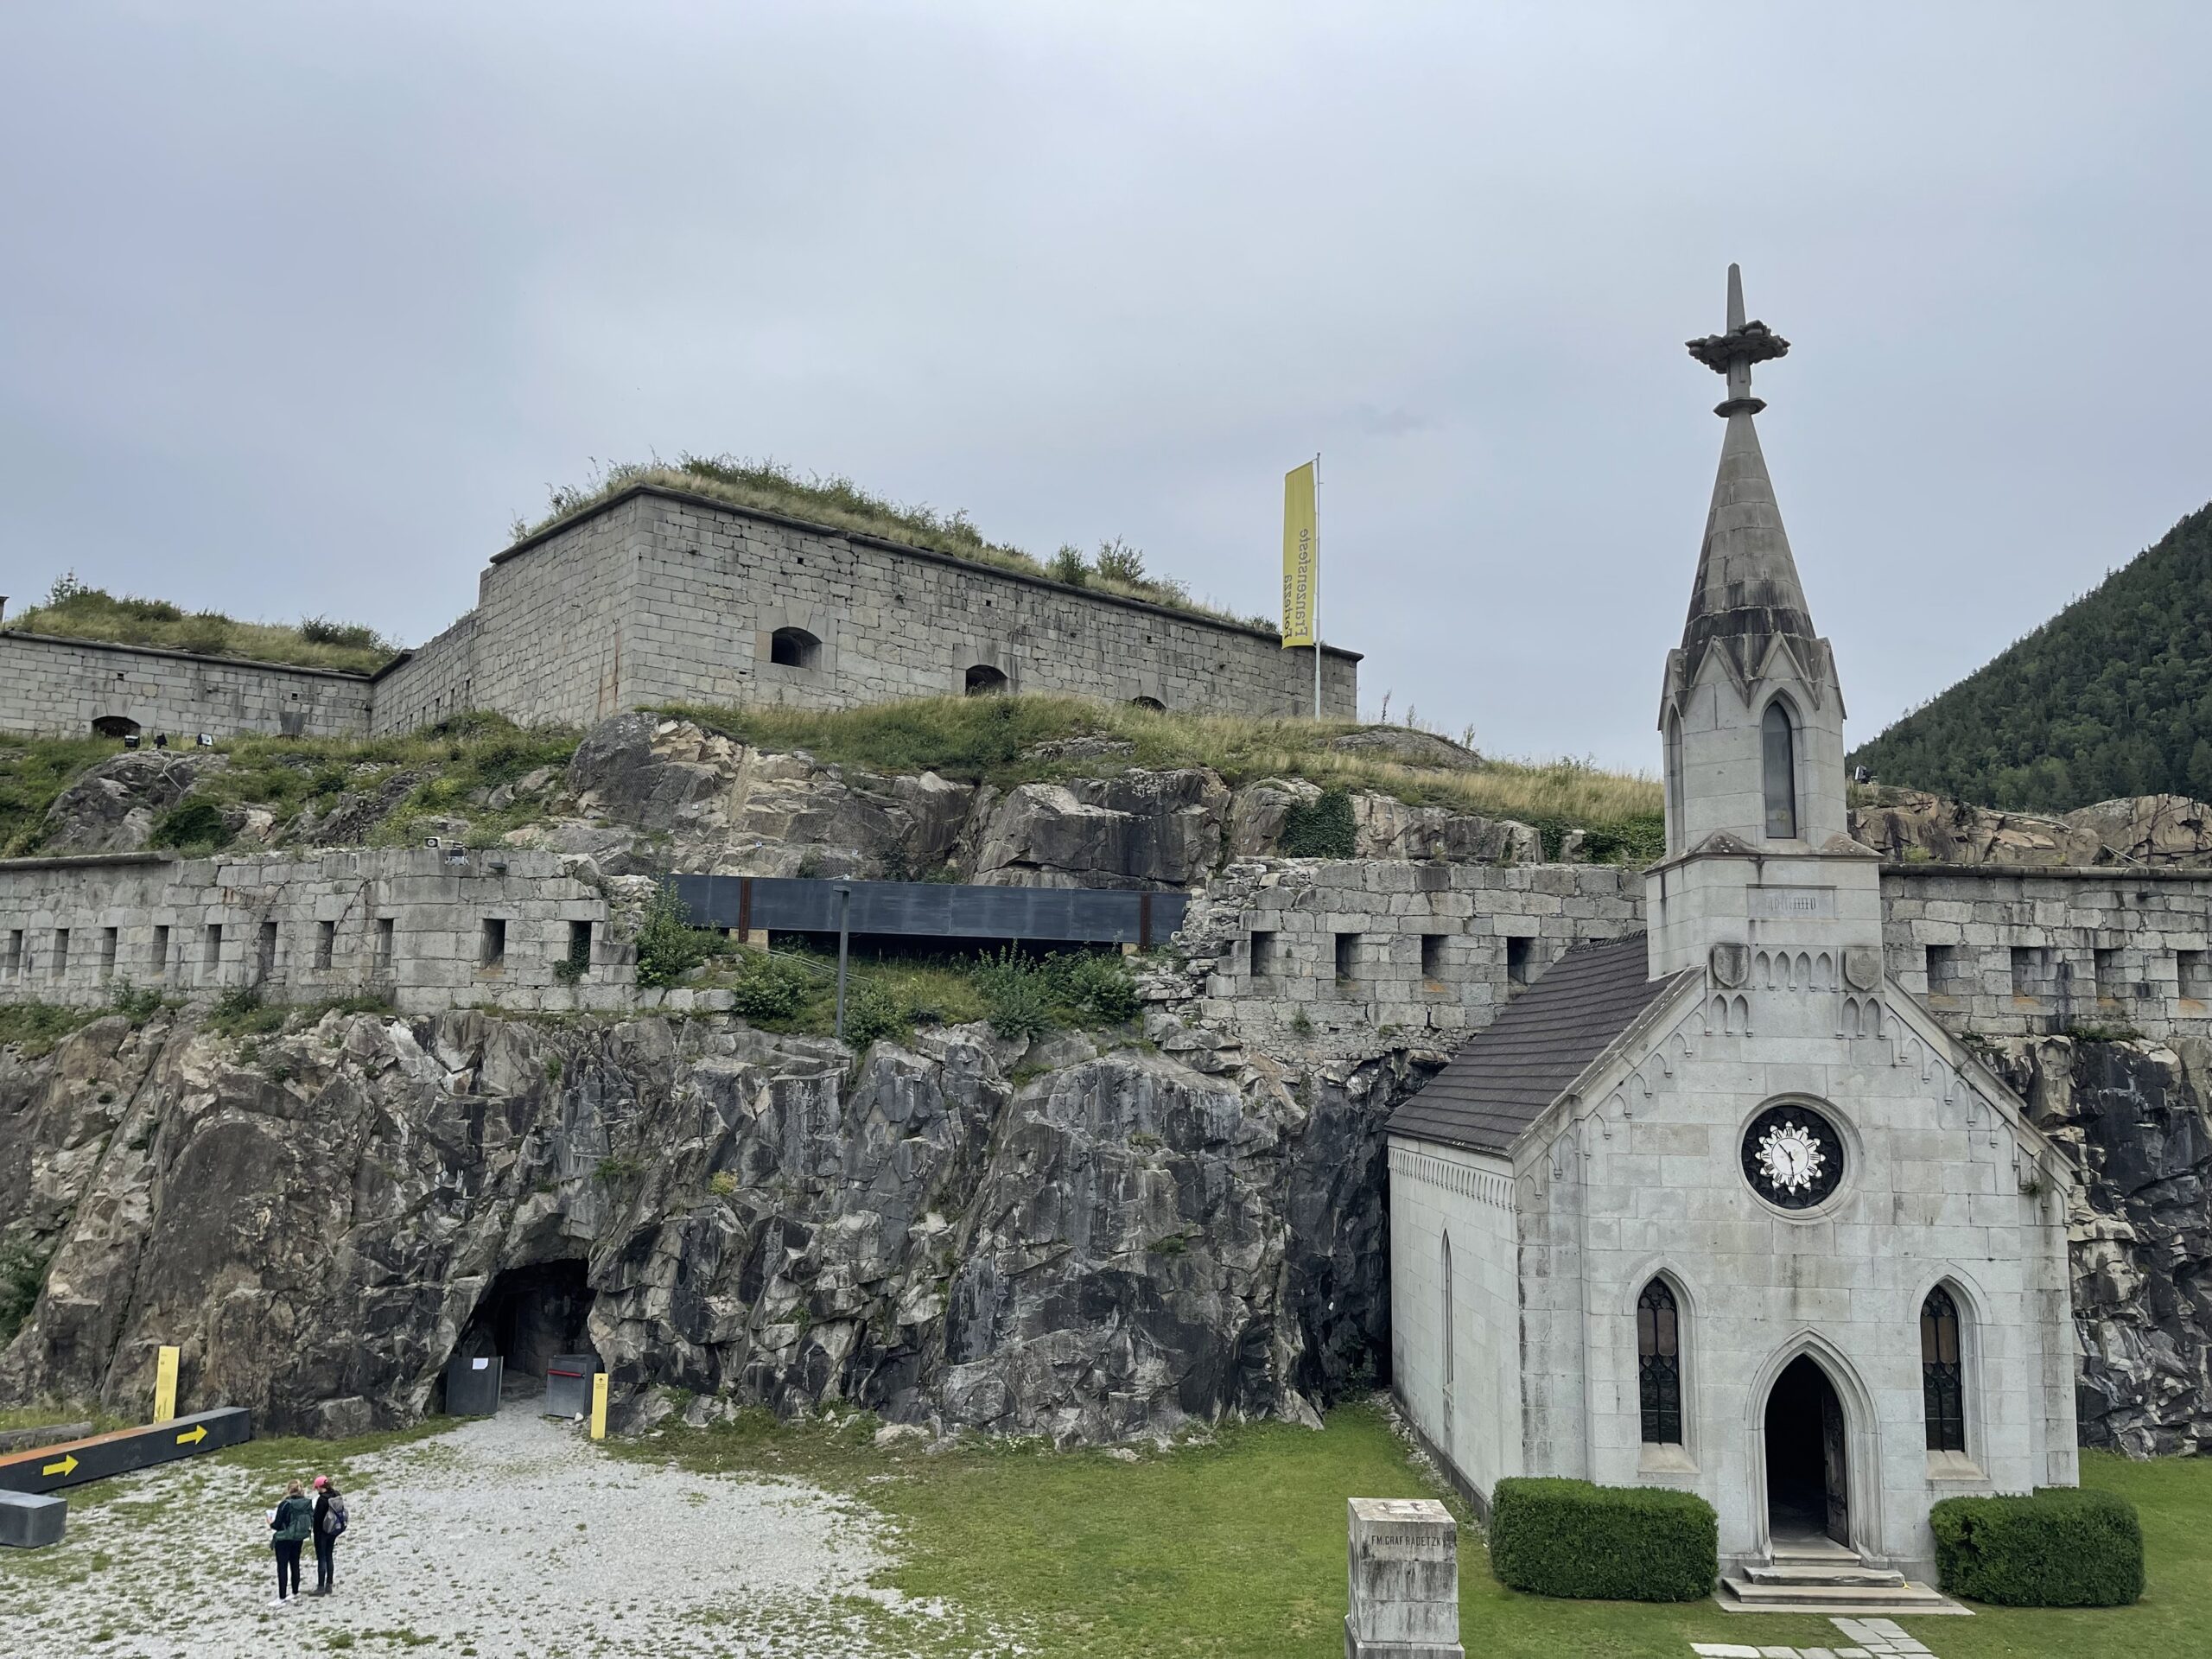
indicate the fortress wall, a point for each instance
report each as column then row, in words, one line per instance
column 432, row 684
column 552, row 625
column 2031, row 951
column 58, row 688
column 714, row 583
column 1484, row 929
column 71, row 928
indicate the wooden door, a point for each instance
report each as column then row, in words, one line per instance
column 1834, row 1464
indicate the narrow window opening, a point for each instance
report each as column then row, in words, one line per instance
column 15, row 951
column 493, row 951
column 160, row 961
column 2031, row 971
column 983, row 680
column 1449, row 1343
column 1941, row 1379
column 385, row 929
column 1659, row 1364
column 1431, row 956
column 1520, row 954
column 60, row 964
column 1347, row 957
column 1267, row 960
column 264, row 954
column 1944, row 970
column 794, row 648
column 326, row 943
column 108, row 940
column 211, row 949
column 579, row 957
column 1779, row 742
column 2104, row 964
column 2195, row 973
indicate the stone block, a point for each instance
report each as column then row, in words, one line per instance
column 1403, row 1568
column 31, row 1519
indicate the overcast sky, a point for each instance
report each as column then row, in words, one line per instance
column 302, row 304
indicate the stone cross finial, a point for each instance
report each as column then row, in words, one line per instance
column 1733, row 353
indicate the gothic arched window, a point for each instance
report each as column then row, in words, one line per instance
column 1675, row 829
column 1779, row 744
column 1447, row 1309
column 1942, row 1380
column 1659, row 1364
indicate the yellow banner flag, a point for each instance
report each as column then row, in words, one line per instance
column 1301, row 555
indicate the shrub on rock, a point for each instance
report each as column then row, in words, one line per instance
column 2061, row 1547
column 1615, row 1543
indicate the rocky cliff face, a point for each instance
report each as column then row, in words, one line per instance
column 966, row 1233
column 2156, row 829
column 2132, row 1116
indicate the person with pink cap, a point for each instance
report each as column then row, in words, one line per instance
column 329, row 1521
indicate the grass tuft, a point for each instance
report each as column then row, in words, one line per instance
column 78, row 612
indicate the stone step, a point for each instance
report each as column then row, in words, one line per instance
column 1844, row 1597
column 1789, row 1572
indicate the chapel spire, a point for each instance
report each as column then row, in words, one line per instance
column 1747, row 590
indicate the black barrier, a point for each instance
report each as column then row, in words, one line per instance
column 930, row 910
column 74, row 1462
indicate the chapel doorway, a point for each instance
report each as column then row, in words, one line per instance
column 1807, row 1474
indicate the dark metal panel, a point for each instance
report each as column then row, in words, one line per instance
column 74, row 1462
column 935, row 910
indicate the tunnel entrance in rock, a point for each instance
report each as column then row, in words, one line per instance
column 530, row 1314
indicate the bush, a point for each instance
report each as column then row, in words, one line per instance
column 2060, row 1547
column 871, row 1011
column 1016, row 999
column 1098, row 985
column 1615, row 1543
column 191, row 823
column 1322, row 828
column 669, row 947
column 768, row 987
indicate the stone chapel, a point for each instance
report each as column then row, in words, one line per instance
column 1720, row 1206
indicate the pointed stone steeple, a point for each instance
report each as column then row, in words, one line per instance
column 1758, row 842
column 1747, row 592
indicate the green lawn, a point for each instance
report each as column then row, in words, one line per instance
column 1237, row 1549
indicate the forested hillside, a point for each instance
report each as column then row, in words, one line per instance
column 2112, row 697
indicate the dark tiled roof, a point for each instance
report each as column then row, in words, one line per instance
column 1502, row 1081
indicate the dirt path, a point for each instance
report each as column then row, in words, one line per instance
column 507, row 1535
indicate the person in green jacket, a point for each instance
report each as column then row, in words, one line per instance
column 289, row 1525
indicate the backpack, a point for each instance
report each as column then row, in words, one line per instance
column 333, row 1521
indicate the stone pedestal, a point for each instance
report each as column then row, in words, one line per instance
column 1403, row 1556
column 31, row 1521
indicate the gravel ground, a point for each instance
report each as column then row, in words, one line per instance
column 507, row 1535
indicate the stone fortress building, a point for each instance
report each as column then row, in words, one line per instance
column 658, row 596
column 1721, row 1206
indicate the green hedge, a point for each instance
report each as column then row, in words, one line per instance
column 2062, row 1547
column 1614, row 1543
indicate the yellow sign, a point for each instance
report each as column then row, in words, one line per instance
column 194, row 1435
column 165, row 1386
column 67, row 1466
column 1301, row 555
column 599, row 1406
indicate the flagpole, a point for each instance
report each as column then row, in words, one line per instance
column 1317, row 585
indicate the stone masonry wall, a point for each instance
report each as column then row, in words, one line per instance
column 1358, row 948
column 435, row 681
column 58, row 688
column 553, row 625
column 2027, row 952
column 416, row 924
column 714, row 584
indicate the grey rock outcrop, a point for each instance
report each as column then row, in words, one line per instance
column 2132, row 1117
column 1112, row 1249
column 2154, row 829
column 1409, row 745
column 114, row 807
column 1138, row 827
column 707, row 802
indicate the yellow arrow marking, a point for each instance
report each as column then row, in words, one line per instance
column 193, row 1436
column 67, row 1466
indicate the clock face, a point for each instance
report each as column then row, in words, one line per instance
column 1793, row 1156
